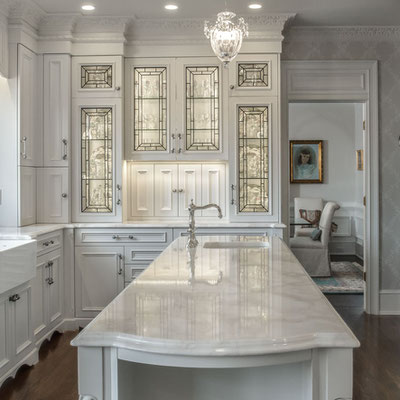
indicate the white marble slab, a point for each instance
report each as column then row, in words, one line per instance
column 220, row 302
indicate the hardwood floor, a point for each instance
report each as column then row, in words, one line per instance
column 376, row 362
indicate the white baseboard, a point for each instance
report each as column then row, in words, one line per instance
column 389, row 302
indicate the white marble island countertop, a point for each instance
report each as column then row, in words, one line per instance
column 220, row 302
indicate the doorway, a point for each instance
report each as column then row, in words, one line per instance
column 336, row 173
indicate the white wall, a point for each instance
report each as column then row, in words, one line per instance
column 339, row 125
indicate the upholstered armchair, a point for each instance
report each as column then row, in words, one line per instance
column 305, row 203
column 314, row 254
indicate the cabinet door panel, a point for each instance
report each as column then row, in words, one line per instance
column 98, row 279
column 213, row 188
column 5, row 344
column 189, row 187
column 166, row 190
column 141, row 182
column 53, row 195
column 29, row 107
column 22, row 321
column 56, row 124
column 27, row 198
column 39, row 303
column 55, row 289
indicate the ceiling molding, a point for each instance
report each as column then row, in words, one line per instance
column 323, row 33
column 25, row 11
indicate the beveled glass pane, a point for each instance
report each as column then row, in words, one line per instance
column 96, row 76
column 253, row 75
column 253, row 142
column 202, row 108
column 96, row 160
column 150, row 109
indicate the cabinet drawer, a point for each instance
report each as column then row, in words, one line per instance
column 143, row 237
column 133, row 254
column 133, row 271
column 49, row 242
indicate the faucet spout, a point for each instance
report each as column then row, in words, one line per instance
column 192, row 241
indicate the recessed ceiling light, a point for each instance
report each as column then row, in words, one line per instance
column 88, row 7
column 255, row 6
column 171, row 7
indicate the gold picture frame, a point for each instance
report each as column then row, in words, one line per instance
column 306, row 161
column 360, row 160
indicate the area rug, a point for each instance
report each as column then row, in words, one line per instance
column 347, row 277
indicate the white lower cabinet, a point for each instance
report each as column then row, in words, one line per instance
column 52, row 195
column 27, row 198
column 166, row 190
column 99, row 277
column 16, row 335
column 47, row 294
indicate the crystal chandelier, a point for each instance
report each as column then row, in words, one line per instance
column 226, row 35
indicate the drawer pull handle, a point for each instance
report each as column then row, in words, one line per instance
column 120, row 269
column 131, row 237
column 65, row 143
column 23, row 141
column 14, row 298
column 233, row 188
column 115, row 237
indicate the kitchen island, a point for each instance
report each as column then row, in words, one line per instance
column 233, row 318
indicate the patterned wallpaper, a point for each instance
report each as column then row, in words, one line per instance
column 368, row 43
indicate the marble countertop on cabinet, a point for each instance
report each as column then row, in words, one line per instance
column 220, row 301
column 35, row 230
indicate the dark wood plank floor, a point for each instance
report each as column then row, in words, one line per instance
column 376, row 362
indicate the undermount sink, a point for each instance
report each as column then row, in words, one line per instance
column 17, row 263
column 236, row 245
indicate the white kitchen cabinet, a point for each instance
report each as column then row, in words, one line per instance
column 99, row 277
column 141, row 190
column 189, row 187
column 254, row 159
column 213, row 188
column 30, row 92
column 254, row 75
column 27, row 196
column 173, row 109
column 52, row 195
column 3, row 46
column 47, row 294
column 5, row 337
column 57, row 110
column 166, row 190
column 97, row 160
column 97, row 76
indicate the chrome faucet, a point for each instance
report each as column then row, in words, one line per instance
column 192, row 241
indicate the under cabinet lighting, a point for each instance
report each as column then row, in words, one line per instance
column 171, row 7
column 88, row 7
column 255, row 6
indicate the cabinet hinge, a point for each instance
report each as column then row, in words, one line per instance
column 364, row 201
column 363, row 125
column 365, row 276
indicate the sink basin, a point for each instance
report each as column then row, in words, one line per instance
column 17, row 263
column 236, row 245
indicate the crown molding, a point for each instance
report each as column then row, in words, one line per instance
column 25, row 11
column 323, row 33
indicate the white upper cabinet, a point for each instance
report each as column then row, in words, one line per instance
column 173, row 109
column 30, row 78
column 3, row 46
column 99, row 76
column 52, row 195
column 57, row 110
column 97, row 160
column 254, row 75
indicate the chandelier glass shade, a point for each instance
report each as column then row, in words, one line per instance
column 226, row 35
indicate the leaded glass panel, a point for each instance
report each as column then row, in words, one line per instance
column 150, row 108
column 253, row 141
column 96, row 76
column 96, row 160
column 202, row 108
column 253, row 75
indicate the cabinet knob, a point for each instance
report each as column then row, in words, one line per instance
column 131, row 237
column 232, row 87
column 64, row 195
column 174, row 190
column 14, row 298
column 115, row 237
column 180, row 190
column 117, row 88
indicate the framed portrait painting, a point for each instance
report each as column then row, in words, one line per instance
column 306, row 161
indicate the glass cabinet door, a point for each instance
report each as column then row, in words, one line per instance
column 202, row 108
column 253, row 157
column 150, row 109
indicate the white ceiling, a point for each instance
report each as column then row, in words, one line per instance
column 309, row 12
